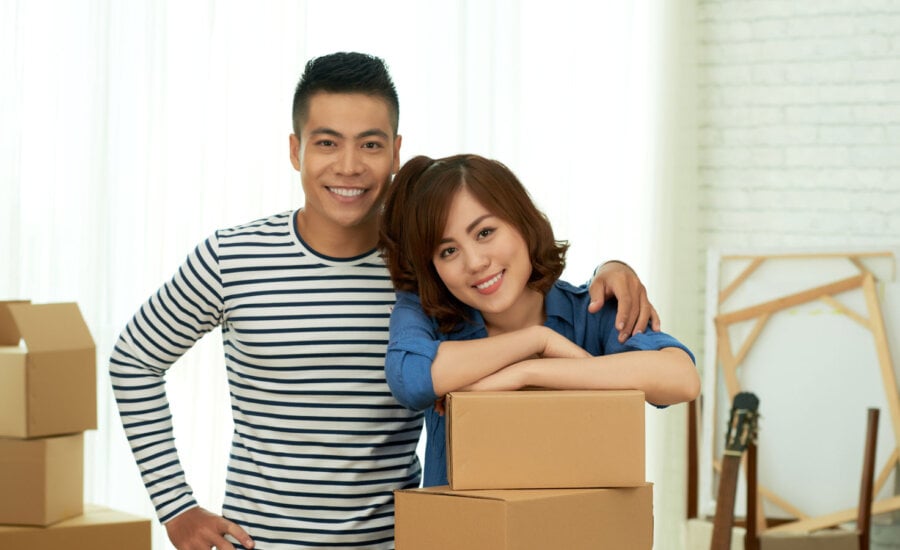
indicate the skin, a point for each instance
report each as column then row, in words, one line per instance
column 484, row 262
column 346, row 153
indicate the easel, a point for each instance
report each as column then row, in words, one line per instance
column 730, row 361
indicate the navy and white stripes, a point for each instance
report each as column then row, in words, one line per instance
column 319, row 443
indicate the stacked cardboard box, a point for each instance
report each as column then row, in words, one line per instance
column 48, row 399
column 536, row 470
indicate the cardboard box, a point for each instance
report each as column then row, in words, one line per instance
column 98, row 529
column 545, row 439
column 438, row 518
column 831, row 539
column 48, row 385
column 41, row 480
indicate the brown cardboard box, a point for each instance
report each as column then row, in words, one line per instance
column 438, row 518
column 831, row 539
column 48, row 386
column 545, row 439
column 41, row 480
column 98, row 529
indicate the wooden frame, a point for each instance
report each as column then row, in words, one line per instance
column 730, row 357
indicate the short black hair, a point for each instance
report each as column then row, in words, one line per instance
column 347, row 73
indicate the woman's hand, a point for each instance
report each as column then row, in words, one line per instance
column 557, row 345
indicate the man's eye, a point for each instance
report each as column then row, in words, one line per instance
column 372, row 145
column 325, row 143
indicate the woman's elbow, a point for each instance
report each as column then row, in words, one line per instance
column 403, row 390
column 684, row 380
column 689, row 379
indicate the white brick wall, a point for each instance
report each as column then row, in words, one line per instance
column 798, row 125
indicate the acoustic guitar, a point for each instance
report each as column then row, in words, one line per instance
column 741, row 432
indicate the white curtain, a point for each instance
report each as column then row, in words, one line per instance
column 131, row 130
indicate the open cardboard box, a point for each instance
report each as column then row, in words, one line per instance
column 41, row 480
column 439, row 518
column 48, row 370
column 545, row 439
column 98, row 528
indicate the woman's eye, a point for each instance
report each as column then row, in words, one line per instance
column 486, row 232
column 446, row 252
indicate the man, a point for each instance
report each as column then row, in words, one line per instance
column 303, row 300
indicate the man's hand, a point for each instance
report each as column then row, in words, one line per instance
column 617, row 280
column 199, row 529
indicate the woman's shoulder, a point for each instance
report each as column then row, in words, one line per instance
column 406, row 297
column 566, row 292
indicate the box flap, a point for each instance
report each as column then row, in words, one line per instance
column 9, row 332
column 50, row 327
column 507, row 495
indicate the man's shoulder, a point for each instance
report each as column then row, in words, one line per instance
column 279, row 221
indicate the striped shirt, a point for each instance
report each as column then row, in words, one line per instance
column 319, row 443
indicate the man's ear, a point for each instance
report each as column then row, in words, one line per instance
column 396, row 164
column 295, row 151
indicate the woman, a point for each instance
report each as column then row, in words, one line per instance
column 480, row 305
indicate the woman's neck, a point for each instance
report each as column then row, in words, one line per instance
column 526, row 312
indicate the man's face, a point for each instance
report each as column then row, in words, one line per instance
column 346, row 153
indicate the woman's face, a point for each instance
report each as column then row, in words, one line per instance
column 482, row 259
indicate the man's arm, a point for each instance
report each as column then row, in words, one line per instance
column 165, row 327
column 615, row 279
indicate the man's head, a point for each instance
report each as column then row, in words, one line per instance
column 345, row 73
column 346, row 146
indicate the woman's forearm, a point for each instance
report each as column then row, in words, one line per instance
column 460, row 363
column 666, row 376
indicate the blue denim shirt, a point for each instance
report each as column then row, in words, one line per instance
column 414, row 340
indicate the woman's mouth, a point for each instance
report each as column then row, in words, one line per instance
column 488, row 285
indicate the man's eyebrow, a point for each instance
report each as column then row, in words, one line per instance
column 326, row 131
column 374, row 132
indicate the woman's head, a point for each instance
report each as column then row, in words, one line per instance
column 415, row 218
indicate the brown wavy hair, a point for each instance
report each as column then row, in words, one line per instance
column 415, row 213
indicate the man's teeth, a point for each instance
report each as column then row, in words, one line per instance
column 489, row 282
column 347, row 191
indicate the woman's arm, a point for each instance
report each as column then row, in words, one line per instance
column 421, row 366
column 460, row 363
column 666, row 376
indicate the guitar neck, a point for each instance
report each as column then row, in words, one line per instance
column 721, row 537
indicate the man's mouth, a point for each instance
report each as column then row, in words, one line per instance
column 347, row 191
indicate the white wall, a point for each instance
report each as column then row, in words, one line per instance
column 798, row 131
column 798, row 125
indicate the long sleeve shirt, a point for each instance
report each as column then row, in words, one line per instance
column 319, row 443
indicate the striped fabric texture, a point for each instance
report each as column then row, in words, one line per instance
column 319, row 443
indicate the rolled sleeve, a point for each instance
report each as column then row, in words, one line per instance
column 652, row 340
column 411, row 350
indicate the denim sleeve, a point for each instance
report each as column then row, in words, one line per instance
column 411, row 350
column 651, row 340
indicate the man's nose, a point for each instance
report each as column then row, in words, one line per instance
column 349, row 161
